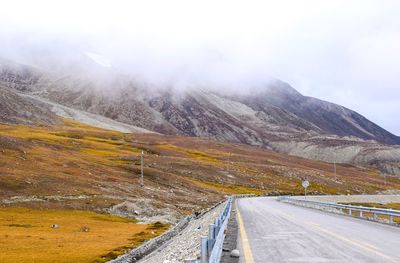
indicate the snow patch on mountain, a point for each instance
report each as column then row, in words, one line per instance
column 99, row 59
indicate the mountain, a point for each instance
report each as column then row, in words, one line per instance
column 273, row 116
column 18, row 109
column 328, row 117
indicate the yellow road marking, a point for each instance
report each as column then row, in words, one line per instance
column 359, row 244
column 248, row 256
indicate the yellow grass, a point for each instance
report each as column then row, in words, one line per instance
column 26, row 235
column 229, row 189
column 75, row 159
column 201, row 156
column 194, row 154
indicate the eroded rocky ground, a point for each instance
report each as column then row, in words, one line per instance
column 80, row 167
column 187, row 244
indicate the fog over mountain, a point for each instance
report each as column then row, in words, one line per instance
column 249, row 72
column 272, row 115
column 340, row 51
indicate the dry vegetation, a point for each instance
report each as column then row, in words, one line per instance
column 75, row 159
column 26, row 235
column 78, row 167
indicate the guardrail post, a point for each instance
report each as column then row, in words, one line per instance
column 217, row 226
column 204, row 250
column 348, row 209
column 390, row 217
column 211, row 237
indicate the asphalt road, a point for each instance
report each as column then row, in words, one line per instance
column 271, row 231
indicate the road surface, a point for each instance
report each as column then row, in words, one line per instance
column 271, row 231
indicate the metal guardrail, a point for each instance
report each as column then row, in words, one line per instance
column 350, row 209
column 220, row 227
column 211, row 246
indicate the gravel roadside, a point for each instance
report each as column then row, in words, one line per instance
column 187, row 244
column 231, row 238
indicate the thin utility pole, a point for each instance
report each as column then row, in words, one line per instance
column 141, row 169
column 384, row 177
column 334, row 168
column 229, row 160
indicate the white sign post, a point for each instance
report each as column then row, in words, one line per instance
column 305, row 184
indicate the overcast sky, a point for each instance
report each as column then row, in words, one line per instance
column 347, row 52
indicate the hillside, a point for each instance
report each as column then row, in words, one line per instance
column 62, row 173
column 74, row 166
column 274, row 116
column 17, row 109
column 316, row 115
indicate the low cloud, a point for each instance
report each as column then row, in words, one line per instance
column 341, row 51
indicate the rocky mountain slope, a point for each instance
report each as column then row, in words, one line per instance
column 324, row 117
column 18, row 109
column 76, row 166
column 273, row 116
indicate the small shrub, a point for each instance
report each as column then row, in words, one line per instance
column 84, row 229
column 157, row 225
